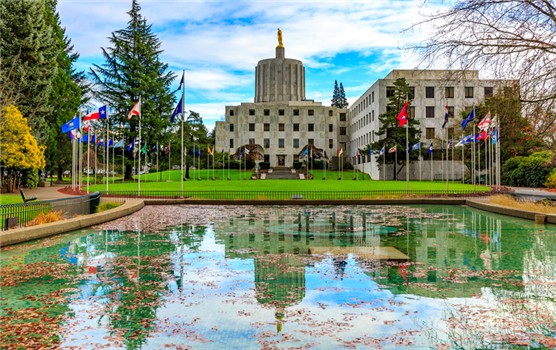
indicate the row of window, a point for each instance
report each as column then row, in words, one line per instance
column 282, row 142
column 449, row 91
column 282, row 127
column 430, row 134
column 310, row 112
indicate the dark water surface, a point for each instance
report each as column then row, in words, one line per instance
column 364, row 277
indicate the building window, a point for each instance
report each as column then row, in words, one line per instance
column 280, row 143
column 251, row 112
column 342, row 130
column 231, row 127
column 296, row 112
column 429, row 92
column 330, row 127
column 390, row 91
column 489, row 91
column 280, row 112
column 330, row 113
column 412, row 112
column 449, row 91
column 296, row 127
column 373, row 115
column 330, row 143
column 251, row 141
column 310, row 127
column 295, row 143
column 342, row 117
column 373, row 97
column 251, row 126
column 281, row 127
column 311, row 112
column 429, row 112
column 267, row 158
column 450, row 112
column 311, row 141
column 266, row 143
column 451, row 133
column 469, row 92
column 267, row 112
column 231, row 112
column 430, row 133
column 266, row 127
column 231, row 143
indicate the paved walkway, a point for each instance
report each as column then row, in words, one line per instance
column 45, row 193
column 533, row 193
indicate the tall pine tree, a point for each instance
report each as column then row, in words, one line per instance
column 335, row 95
column 390, row 134
column 28, row 61
column 65, row 98
column 342, row 100
column 133, row 69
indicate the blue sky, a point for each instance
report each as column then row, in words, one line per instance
column 219, row 43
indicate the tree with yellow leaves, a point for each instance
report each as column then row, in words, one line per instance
column 20, row 155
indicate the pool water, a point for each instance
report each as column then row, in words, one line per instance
column 376, row 277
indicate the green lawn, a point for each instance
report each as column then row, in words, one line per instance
column 149, row 183
column 11, row 198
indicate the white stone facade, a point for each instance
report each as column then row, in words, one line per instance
column 433, row 90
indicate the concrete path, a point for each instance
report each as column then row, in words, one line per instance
column 529, row 193
column 46, row 193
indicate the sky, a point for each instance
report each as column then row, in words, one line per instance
column 218, row 43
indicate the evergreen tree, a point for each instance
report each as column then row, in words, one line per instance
column 28, row 61
column 390, row 134
column 132, row 69
column 336, row 95
column 342, row 100
column 65, row 98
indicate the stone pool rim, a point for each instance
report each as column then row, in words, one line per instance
column 21, row 235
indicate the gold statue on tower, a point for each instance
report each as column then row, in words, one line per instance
column 280, row 44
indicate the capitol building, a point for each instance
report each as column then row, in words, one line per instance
column 283, row 121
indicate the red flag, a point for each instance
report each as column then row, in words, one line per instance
column 86, row 125
column 482, row 135
column 92, row 116
column 402, row 116
column 136, row 110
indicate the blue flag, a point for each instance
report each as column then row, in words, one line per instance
column 469, row 118
column 177, row 111
column 119, row 144
column 370, row 150
column 416, row 146
column 445, row 117
column 111, row 142
column 430, row 149
column 71, row 125
column 130, row 146
column 494, row 137
column 199, row 152
column 382, row 150
column 102, row 112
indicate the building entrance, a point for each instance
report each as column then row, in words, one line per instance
column 281, row 160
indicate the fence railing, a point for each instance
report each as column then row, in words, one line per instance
column 294, row 195
column 21, row 213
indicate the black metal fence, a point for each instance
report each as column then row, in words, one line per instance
column 20, row 214
column 293, row 195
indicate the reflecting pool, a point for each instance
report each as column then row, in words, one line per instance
column 392, row 277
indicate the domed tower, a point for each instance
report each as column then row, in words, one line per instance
column 279, row 79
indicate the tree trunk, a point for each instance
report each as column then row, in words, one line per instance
column 128, row 172
column 186, row 171
column 60, row 172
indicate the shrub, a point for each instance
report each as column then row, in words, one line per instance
column 45, row 218
column 264, row 165
column 551, row 179
column 531, row 171
column 107, row 206
column 297, row 164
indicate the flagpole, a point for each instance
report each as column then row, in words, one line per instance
column 442, row 154
column 384, row 163
column 474, row 158
column 73, row 159
column 432, row 163
column 106, row 151
column 169, row 161
column 407, row 155
column 462, row 164
column 113, row 162
column 182, row 119
column 80, row 148
column 447, row 159
column 453, row 147
column 139, row 177
column 420, row 162
column 88, row 155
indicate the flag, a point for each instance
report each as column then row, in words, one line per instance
column 71, row 125
column 494, row 122
column 382, row 150
column 430, row 149
column 482, row 136
column 177, row 111
column 111, row 142
column 325, row 156
column 119, row 144
column 102, row 112
column 210, row 151
column 136, row 110
column 485, row 123
column 416, row 146
column 182, row 81
column 85, row 138
column 469, row 118
column 246, row 151
column 130, row 146
column 92, row 116
column 167, row 150
column 340, row 151
column 305, row 152
column 93, row 139
column 495, row 136
column 450, row 144
column 460, row 143
column 73, row 134
column 370, row 150
column 393, row 149
column 86, row 125
column 100, row 141
column 155, row 147
column 445, row 116
column 357, row 152
column 402, row 116
column 198, row 152
column 144, row 149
